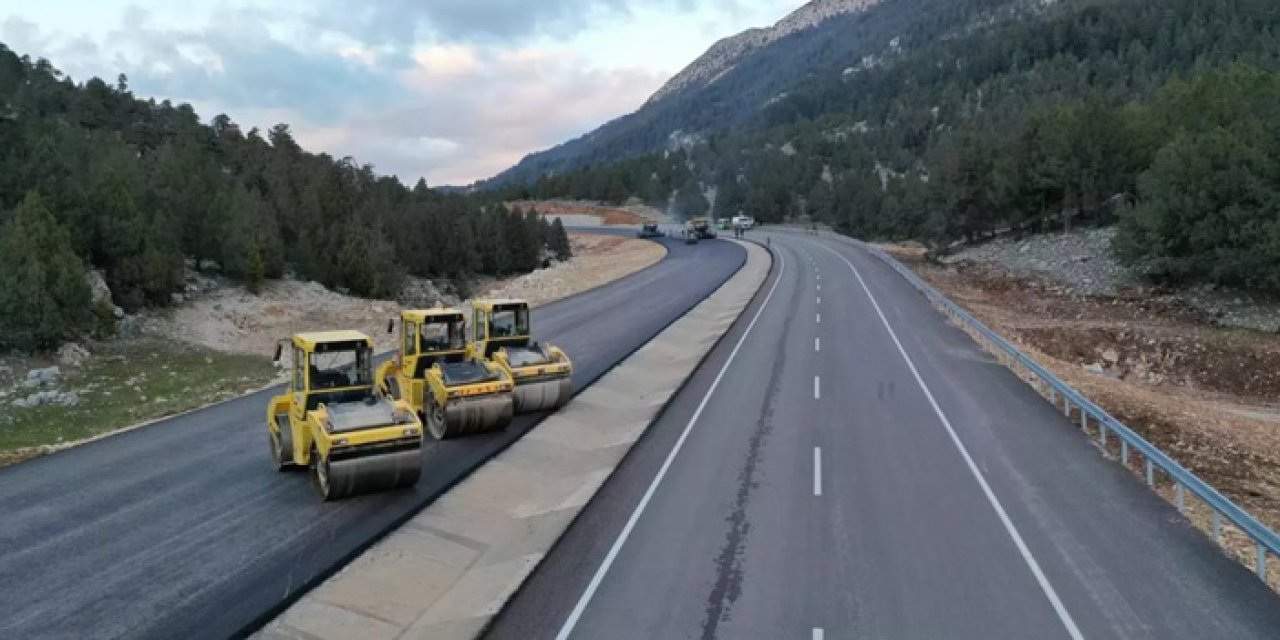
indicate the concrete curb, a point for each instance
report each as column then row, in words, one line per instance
column 450, row 569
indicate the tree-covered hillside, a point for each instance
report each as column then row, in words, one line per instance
column 92, row 177
column 972, row 116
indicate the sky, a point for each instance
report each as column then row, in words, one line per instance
column 447, row 90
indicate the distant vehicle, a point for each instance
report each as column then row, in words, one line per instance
column 744, row 222
column 649, row 230
column 702, row 227
column 723, row 224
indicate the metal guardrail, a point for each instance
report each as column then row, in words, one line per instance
column 1265, row 540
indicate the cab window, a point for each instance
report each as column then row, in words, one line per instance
column 410, row 338
column 481, row 328
column 509, row 322
column 299, row 363
column 337, row 366
column 444, row 335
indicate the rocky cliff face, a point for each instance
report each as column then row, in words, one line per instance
column 724, row 55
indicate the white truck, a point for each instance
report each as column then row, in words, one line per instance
column 744, row 222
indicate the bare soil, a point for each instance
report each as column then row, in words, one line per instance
column 1205, row 394
column 598, row 259
column 607, row 215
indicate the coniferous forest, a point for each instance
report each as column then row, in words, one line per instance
column 93, row 177
column 944, row 121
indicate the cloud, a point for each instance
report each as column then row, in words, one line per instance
column 453, row 90
column 471, row 112
column 503, row 22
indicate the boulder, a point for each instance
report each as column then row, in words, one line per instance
column 100, row 292
column 72, row 355
column 47, row 398
column 42, row 377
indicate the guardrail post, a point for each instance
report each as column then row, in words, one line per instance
column 1053, row 395
column 1151, row 475
column 1217, row 526
column 1066, row 407
column 1182, row 501
column 1124, row 452
column 1102, row 434
column 1261, row 552
column 1084, row 421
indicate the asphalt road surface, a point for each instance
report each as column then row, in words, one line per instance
column 184, row 530
column 860, row 469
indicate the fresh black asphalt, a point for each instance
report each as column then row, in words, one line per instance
column 183, row 529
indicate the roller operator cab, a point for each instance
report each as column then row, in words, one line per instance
column 542, row 373
column 331, row 421
column 454, row 393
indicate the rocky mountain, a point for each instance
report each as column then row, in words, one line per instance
column 725, row 54
column 738, row 77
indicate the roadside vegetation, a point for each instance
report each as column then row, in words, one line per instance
column 127, row 382
column 93, row 177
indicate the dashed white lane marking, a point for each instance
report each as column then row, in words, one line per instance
column 817, row 388
column 819, row 318
column 1032, row 564
column 572, row 621
column 819, row 299
column 817, row 344
column 817, row 633
column 819, row 287
column 817, row 471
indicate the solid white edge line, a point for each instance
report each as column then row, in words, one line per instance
column 817, row 388
column 817, row 471
column 1009, row 527
column 585, row 599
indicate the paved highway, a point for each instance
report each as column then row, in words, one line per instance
column 848, row 465
column 183, row 529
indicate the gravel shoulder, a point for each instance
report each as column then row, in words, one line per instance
column 1203, row 392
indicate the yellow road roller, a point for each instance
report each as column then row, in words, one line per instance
column 541, row 372
column 333, row 422
column 455, row 393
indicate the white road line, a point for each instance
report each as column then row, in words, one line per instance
column 819, row 319
column 585, row 599
column 817, row 633
column 819, row 299
column 817, row 344
column 817, row 471
column 1009, row 527
column 817, row 388
column 819, row 287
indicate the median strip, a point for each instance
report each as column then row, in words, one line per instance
column 451, row 568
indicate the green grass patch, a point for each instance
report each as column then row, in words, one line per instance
column 128, row 382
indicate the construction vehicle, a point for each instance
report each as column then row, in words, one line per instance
column 702, row 226
column 542, row 373
column 332, row 422
column 649, row 230
column 454, row 393
column 690, row 234
column 723, row 224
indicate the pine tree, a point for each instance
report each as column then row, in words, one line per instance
column 43, row 294
column 560, row 241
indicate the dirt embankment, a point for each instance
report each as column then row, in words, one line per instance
column 598, row 259
column 1206, row 394
column 233, row 320
column 585, row 213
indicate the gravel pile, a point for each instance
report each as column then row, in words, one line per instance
column 1080, row 259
